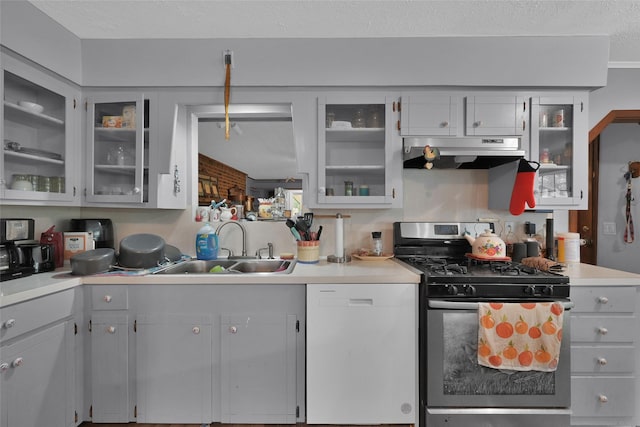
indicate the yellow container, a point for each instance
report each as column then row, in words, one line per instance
column 308, row 251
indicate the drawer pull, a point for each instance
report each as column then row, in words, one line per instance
column 603, row 300
column 603, row 399
column 445, row 124
column 9, row 323
column 111, row 329
column 602, row 361
column 107, row 298
column 233, row 329
column 603, row 331
column 4, row 367
column 195, row 330
column 18, row 362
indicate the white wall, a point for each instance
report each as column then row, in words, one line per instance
column 619, row 144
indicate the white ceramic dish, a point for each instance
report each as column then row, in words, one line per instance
column 31, row 106
column 22, row 185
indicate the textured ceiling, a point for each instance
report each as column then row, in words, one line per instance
column 100, row 19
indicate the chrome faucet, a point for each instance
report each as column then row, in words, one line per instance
column 244, row 235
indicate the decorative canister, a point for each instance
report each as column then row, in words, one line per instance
column 308, row 251
column 129, row 116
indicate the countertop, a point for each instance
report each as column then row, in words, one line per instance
column 370, row 272
column 367, row 272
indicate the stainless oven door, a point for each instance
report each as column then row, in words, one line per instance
column 454, row 379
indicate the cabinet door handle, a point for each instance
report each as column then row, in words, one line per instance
column 4, row 367
column 111, row 329
column 603, row 398
column 107, row 298
column 195, row 330
column 9, row 323
column 603, row 300
column 603, row 331
column 19, row 361
column 444, row 124
column 478, row 123
column 602, row 361
column 233, row 329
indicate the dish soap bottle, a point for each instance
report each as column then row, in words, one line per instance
column 207, row 243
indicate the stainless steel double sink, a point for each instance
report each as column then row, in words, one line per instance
column 231, row 266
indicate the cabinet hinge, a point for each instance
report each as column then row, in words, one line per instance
column 581, row 107
column 75, row 328
column 297, row 411
column 91, row 411
column 75, row 417
column 524, row 106
column 135, row 411
column 86, row 105
column 297, row 326
column 394, row 106
column 398, row 125
column 90, row 325
column 393, row 193
column 135, row 326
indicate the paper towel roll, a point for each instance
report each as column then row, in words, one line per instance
column 339, row 236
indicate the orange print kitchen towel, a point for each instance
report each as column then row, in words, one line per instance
column 520, row 336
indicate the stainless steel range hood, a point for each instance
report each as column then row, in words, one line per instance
column 462, row 153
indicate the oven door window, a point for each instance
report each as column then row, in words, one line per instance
column 454, row 377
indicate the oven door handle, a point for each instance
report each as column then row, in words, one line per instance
column 457, row 305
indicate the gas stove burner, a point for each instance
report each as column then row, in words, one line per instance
column 514, row 269
column 448, row 269
column 427, row 260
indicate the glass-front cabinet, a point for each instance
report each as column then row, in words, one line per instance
column 39, row 156
column 356, row 151
column 559, row 142
column 118, row 148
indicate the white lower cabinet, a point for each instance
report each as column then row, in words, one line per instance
column 174, row 364
column 361, row 354
column 110, row 367
column 197, row 354
column 37, row 363
column 258, row 368
column 603, row 352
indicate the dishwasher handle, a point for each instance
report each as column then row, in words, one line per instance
column 459, row 305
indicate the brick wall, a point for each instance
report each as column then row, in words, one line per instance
column 227, row 177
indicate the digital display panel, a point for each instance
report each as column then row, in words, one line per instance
column 445, row 229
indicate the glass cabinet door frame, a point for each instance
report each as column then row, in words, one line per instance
column 138, row 167
column 67, row 127
column 578, row 131
column 390, row 119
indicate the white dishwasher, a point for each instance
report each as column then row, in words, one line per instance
column 361, row 354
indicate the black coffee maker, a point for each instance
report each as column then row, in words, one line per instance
column 13, row 231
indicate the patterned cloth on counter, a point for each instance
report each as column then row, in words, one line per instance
column 520, row 336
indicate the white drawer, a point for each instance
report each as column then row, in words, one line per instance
column 33, row 314
column 110, row 297
column 602, row 396
column 603, row 359
column 615, row 299
column 602, row 329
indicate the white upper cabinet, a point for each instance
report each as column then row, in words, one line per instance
column 359, row 151
column 118, row 148
column 429, row 114
column 40, row 136
column 495, row 115
column 559, row 141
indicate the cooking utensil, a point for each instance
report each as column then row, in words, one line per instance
column 141, row 251
column 319, row 232
column 296, row 233
column 308, row 219
column 93, row 261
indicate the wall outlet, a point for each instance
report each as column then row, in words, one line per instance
column 609, row 228
column 509, row 227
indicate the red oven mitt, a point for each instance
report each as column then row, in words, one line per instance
column 523, row 187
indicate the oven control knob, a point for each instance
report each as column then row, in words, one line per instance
column 470, row 290
column 548, row 290
column 452, row 289
column 530, row 290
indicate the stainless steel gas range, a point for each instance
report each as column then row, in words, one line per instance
column 455, row 390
